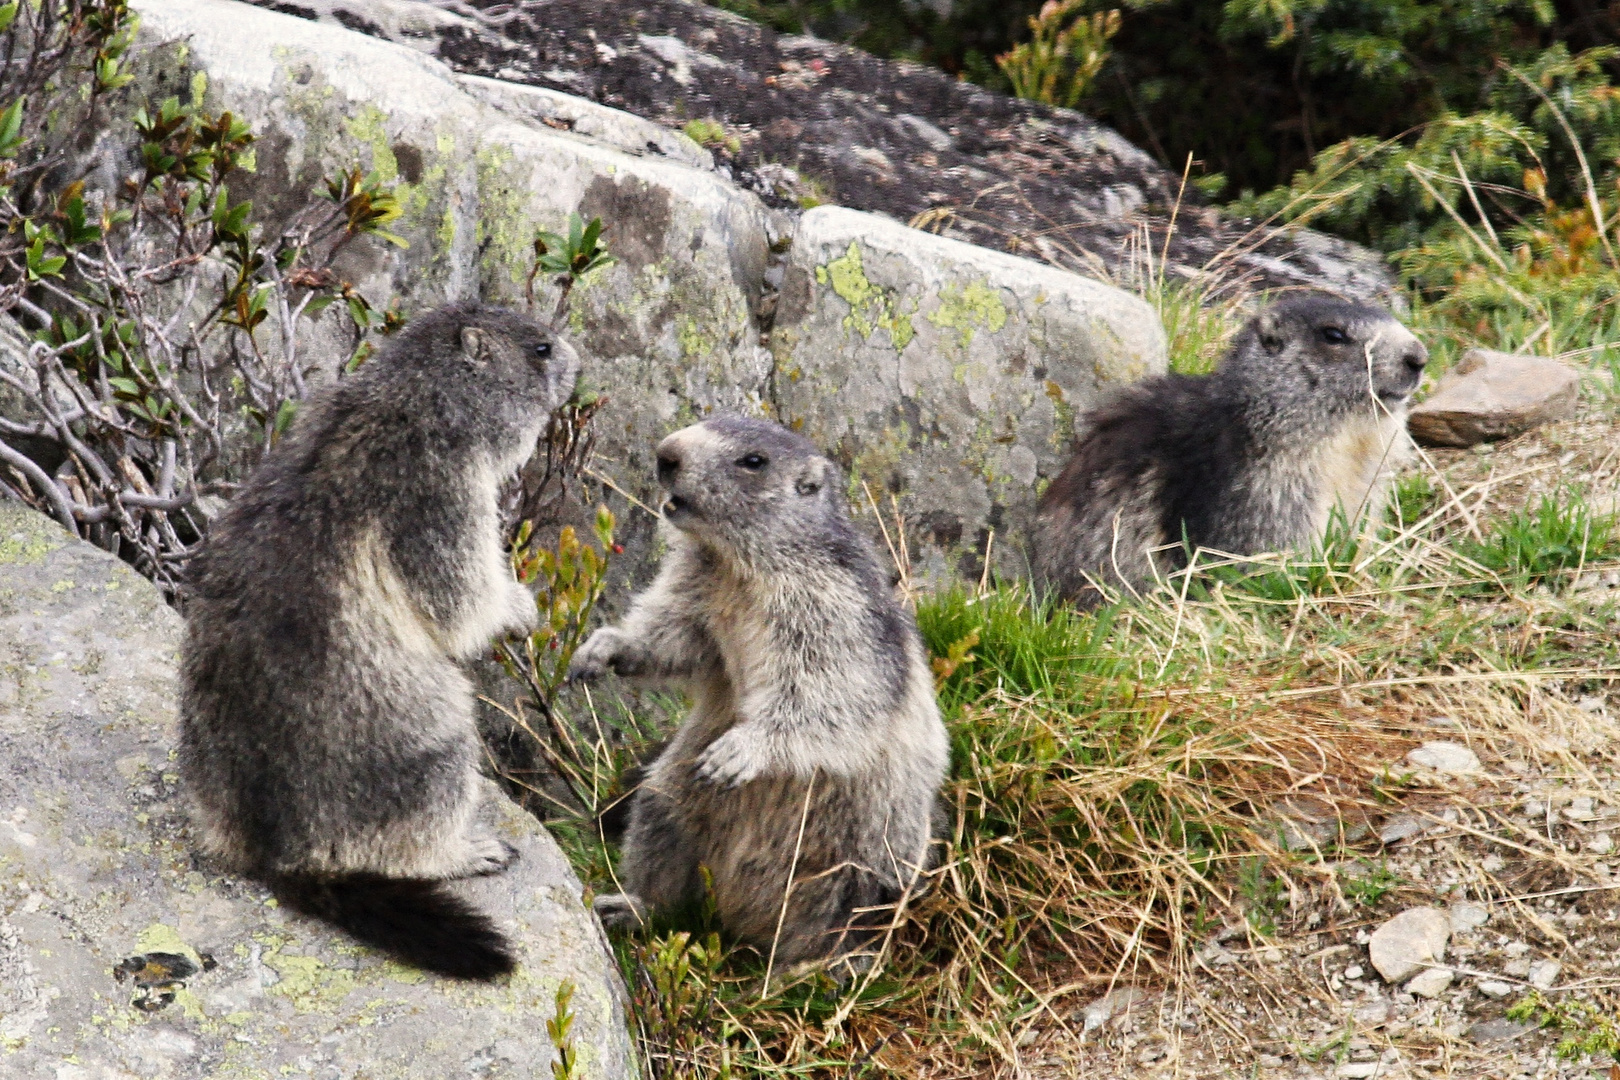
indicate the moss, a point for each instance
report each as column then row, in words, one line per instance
column 370, row 127
column 967, row 309
column 870, row 307
column 25, row 536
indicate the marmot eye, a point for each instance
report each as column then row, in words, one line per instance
column 1334, row 336
column 753, row 461
column 543, row 349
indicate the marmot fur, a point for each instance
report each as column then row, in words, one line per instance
column 1305, row 414
column 328, row 737
column 813, row 742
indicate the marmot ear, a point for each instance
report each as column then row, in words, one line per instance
column 474, row 348
column 809, row 481
column 1270, row 329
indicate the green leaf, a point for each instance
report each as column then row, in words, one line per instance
column 8, row 15
column 285, row 414
column 11, row 129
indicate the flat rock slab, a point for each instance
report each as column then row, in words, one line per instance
column 1409, row 943
column 947, row 373
column 122, row 957
column 1491, row 395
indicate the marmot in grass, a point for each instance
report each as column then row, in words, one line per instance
column 1305, row 414
column 328, row 737
column 814, row 741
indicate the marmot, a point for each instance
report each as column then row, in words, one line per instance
column 813, row 742
column 1306, row 413
column 327, row 734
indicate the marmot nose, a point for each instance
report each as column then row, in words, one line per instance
column 1416, row 357
column 668, row 465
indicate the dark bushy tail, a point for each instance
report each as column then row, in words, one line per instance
column 420, row 922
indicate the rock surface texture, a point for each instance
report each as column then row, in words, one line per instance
column 120, row 957
column 1491, row 395
column 933, row 368
column 946, row 373
column 800, row 119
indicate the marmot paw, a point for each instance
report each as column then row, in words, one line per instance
column 620, row 909
column 734, row 758
column 597, row 656
column 493, row 857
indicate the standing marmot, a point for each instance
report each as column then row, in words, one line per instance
column 327, row 734
column 1306, row 413
column 812, row 702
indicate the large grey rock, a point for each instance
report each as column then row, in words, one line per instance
column 946, row 372
column 1491, row 395
column 96, row 871
column 1410, row 942
column 901, row 139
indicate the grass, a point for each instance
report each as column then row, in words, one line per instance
column 1116, row 783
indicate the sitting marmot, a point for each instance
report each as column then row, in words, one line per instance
column 814, row 746
column 327, row 733
column 1306, row 413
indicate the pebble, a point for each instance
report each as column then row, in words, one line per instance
column 1359, row 1070
column 1601, row 844
column 1498, row 1029
column 1581, row 808
column 1108, row 1006
column 1466, row 917
column 1452, row 759
column 1491, row 988
column 1354, row 972
column 1406, row 944
column 1400, row 827
column 1430, row 983
column 1543, row 973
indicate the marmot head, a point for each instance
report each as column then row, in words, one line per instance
column 1331, row 355
column 749, row 487
column 536, row 365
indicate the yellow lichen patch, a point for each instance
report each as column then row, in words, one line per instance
column 967, row 309
column 870, row 307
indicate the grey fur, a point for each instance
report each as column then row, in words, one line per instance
column 327, row 730
column 812, row 702
column 1254, row 457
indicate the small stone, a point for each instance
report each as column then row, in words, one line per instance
column 1517, row 969
column 1491, row 395
column 1466, row 917
column 1493, row 864
column 1498, row 1030
column 1492, row 988
column 1580, row 808
column 1429, row 983
column 1353, row 972
column 1409, row 942
column 1358, row 1070
column 1372, row 1014
column 1601, row 844
column 1400, row 827
column 1449, row 758
column 1105, row 1008
column 1269, row 1061
column 1516, row 949
column 1543, row 973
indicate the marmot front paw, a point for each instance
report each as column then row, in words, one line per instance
column 734, row 758
column 600, row 654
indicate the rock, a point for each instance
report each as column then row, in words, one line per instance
column 1354, row 971
column 947, row 373
column 1449, row 758
column 1498, row 1030
column 1359, row 1070
column 1581, row 808
column 1372, row 1014
column 1543, row 974
column 1401, row 827
column 1466, row 917
column 899, row 139
column 1116, row 1003
column 1430, row 982
column 1491, row 395
column 1409, row 942
column 122, row 956
column 1494, row 988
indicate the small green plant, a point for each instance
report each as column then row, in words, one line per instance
column 1367, row 884
column 1062, row 58
column 675, row 997
column 1264, row 895
column 710, row 133
column 568, row 258
column 1414, row 498
column 561, row 1029
column 1532, row 545
column 1588, row 1028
